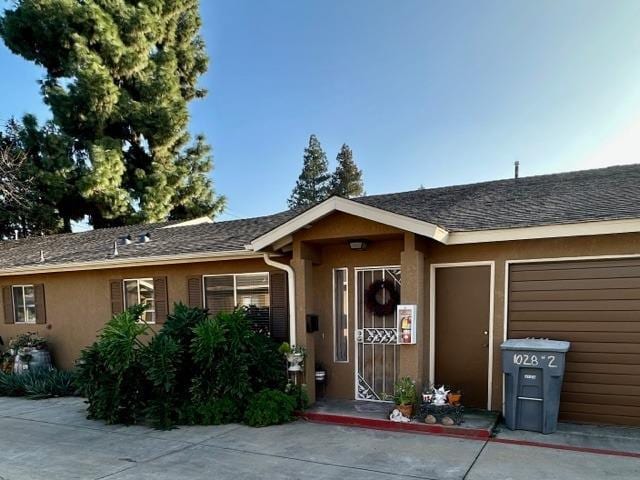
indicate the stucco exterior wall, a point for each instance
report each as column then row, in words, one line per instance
column 78, row 303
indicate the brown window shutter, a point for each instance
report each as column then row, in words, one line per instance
column 194, row 291
column 160, row 298
column 41, row 310
column 279, row 306
column 7, row 300
column 117, row 300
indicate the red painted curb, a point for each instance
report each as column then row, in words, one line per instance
column 381, row 424
column 557, row 446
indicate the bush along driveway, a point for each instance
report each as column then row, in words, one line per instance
column 52, row 439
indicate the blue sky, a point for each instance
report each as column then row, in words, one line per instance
column 425, row 92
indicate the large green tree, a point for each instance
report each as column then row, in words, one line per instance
column 346, row 180
column 313, row 184
column 119, row 77
column 48, row 176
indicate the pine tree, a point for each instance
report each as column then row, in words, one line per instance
column 313, row 184
column 346, row 181
column 49, row 174
column 119, row 76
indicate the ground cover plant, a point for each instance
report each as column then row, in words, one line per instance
column 197, row 369
column 38, row 384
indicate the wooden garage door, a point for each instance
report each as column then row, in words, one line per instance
column 596, row 306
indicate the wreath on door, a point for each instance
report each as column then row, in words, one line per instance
column 375, row 290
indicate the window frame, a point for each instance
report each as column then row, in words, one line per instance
column 235, row 285
column 333, row 313
column 124, row 297
column 24, row 305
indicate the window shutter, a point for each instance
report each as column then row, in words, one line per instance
column 194, row 291
column 160, row 298
column 41, row 310
column 279, row 306
column 7, row 300
column 117, row 302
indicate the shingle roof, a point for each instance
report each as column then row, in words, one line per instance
column 611, row 193
column 96, row 245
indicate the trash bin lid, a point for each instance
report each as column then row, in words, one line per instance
column 538, row 344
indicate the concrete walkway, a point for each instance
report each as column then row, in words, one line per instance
column 52, row 439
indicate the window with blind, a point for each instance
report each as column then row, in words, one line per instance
column 223, row 293
column 340, row 315
column 140, row 291
column 24, row 304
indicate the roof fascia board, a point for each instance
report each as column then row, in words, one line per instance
column 606, row 227
column 337, row 204
column 111, row 263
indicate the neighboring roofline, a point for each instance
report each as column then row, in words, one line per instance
column 109, row 263
column 189, row 223
column 590, row 228
column 338, row 204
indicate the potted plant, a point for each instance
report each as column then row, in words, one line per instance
column 455, row 397
column 295, row 356
column 405, row 396
column 30, row 351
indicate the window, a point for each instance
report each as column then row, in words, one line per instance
column 140, row 291
column 24, row 303
column 223, row 293
column 340, row 315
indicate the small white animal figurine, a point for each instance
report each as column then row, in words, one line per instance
column 396, row 416
column 440, row 396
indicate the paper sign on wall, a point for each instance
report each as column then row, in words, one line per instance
column 407, row 317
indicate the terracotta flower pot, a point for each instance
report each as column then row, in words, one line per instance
column 406, row 410
column 454, row 399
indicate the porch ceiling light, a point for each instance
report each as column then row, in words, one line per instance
column 358, row 244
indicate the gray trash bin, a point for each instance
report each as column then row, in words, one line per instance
column 533, row 369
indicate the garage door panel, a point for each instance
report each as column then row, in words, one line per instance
column 610, row 369
column 578, row 264
column 612, row 418
column 547, row 316
column 559, row 326
column 607, row 337
column 602, row 399
column 587, row 305
column 585, row 294
column 595, row 388
column 576, row 273
column 579, row 284
column 604, row 358
column 596, row 306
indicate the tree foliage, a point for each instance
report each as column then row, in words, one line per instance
column 346, row 180
column 313, row 184
column 119, row 77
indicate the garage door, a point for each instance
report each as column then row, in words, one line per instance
column 596, row 306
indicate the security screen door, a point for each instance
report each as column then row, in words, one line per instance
column 376, row 337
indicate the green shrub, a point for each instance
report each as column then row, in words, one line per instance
column 269, row 407
column 299, row 395
column 38, row 384
column 197, row 369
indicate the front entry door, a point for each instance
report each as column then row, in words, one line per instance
column 462, row 312
column 376, row 338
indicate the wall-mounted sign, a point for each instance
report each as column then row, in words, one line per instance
column 407, row 318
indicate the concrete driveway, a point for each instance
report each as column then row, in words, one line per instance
column 52, row 439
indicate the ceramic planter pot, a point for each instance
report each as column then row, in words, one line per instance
column 454, row 399
column 295, row 359
column 406, row 410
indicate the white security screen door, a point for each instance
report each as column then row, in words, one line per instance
column 376, row 337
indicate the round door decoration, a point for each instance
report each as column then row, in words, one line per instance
column 392, row 296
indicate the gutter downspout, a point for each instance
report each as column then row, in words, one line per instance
column 292, row 294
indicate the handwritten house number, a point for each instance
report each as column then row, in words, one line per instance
column 533, row 361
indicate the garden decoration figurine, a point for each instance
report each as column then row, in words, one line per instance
column 440, row 396
column 397, row 416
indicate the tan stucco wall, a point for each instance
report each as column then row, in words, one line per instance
column 78, row 303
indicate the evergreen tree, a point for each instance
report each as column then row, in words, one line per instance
column 119, row 76
column 49, row 174
column 313, row 184
column 346, row 181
